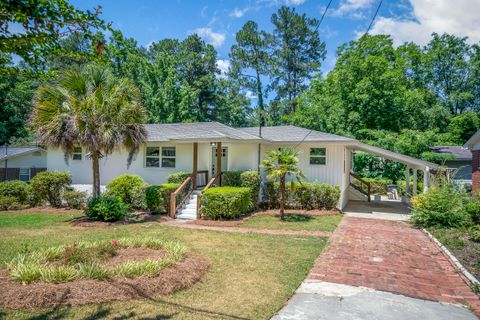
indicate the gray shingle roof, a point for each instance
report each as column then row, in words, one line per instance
column 294, row 134
column 9, row 152
column 196, row 131
column 459, row 152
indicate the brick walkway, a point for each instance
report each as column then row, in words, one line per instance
column 391, row 256
column 175, row 223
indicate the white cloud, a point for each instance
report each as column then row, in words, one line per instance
column 238, row 13
column 250, row 95
column 270, row 3
column 216, row 39
column 459, row 18
column 294, row 2
column 223, row 66
column 352, row 8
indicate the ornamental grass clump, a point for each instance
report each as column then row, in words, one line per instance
column 89, row 260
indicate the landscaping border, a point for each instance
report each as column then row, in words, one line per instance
column 453, row 260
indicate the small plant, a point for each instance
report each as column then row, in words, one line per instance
column 50, row 186
column 475, row 233
column 10, row 203
column 75, row 199
column 154, row 199
column 106, row 208
column 130, row 189
column 251, row 179
column 473, row 210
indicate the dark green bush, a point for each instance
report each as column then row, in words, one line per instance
column 225, row 202
column 475, row 233
column 158, row 197
column 231, row 178
column 75, row 199
column 178, row 177
column 473, row 209
column 402, row 187
column 305, row 195
column 14, row 188
column 440, row 206
column 251, row 179
column 10, row 203
column 49, row 186
column 377, row 185
column 130, row 189
column 106, row 207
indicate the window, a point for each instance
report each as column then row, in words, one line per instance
column 168, row 157
column 24, row 174
column 318, row 156
column 152, row 157
column 77, row 153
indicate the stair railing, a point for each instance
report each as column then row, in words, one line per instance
column 183, row 192
column 209, row 184
column 360, row 185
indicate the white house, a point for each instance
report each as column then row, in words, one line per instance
column 21, row 163
column 191, row 147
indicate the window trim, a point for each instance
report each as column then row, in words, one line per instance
column 317, row 156
column 152, row 157
column 168, row 157
column 77, row 153
column 29, row 174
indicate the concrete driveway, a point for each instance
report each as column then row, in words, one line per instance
column 381, row 269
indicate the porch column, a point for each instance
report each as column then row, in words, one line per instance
column 407, row 180
column 415, row 181
column 219, row 163
column 426, row 179
column 195, row 165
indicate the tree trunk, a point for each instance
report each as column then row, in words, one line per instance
column 96, row 175
column 282, row 198
column 260, row 100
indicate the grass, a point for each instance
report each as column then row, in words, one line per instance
column 251, row 276
column 19, row 219
column 294, row 222
column 458, row 241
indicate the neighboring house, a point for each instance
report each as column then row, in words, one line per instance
column 473, row 144
column 21, row 163
column 460, row 166
column 192, row 147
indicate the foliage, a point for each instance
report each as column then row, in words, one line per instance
column 294, row 222
column 91, row 108
column 473, row 209
column 85, row 260
column 402, row 187
column 475, row 233
column 440, row 206
column 251, row 179
column 305, row 195
column 75, row 199
column 130, row 189
column 50, row 186
column 158, row 197
column 225, row 202
column 106, row 207
column 278, row 164
column 14, row 188
column 231, row 178
column 178, row 177
column 10, row 203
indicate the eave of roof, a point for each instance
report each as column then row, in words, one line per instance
column 18, row 153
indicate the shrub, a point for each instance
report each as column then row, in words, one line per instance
column 75, row 199
column 178, row 177
column 106, row 207
column 158, row 197
column 402, row 187
column 231, row 178
column 10, row 203
column 440, row 206
column 473, row 209
column 305, row 195
column 475, row 233
column 225, row 202
column 49, row 186
column 130, row 189
column 378, row 185
column 14, row 188
column 251, row 179
column 33, row 199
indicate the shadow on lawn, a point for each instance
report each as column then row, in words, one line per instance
column 290, row 217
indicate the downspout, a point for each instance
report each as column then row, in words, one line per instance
column 5, row 177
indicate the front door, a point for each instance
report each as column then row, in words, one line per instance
column 224, row 159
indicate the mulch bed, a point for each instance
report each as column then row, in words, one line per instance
column 15, row 295
column 137, row 217
column 332, row 212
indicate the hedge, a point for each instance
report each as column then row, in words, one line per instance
column 378, row 185
column 157, row 197
column 305, row 195
column 14, row 188
column 178, row 177
column 225, row 202
column 49, row 186
column 247, row 179
column 130, row 189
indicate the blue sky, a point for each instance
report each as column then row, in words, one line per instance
column 218, row 21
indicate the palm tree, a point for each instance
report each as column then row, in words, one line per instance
column 92, row 109
column 278, row 164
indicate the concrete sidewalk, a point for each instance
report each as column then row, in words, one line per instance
column 320, row 300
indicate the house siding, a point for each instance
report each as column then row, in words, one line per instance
column 475, row 172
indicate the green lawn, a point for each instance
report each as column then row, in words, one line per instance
column 250, row 276
column 294, row 222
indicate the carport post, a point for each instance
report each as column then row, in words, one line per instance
column 407, row 180
column 426, row 178
column 415, row 181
